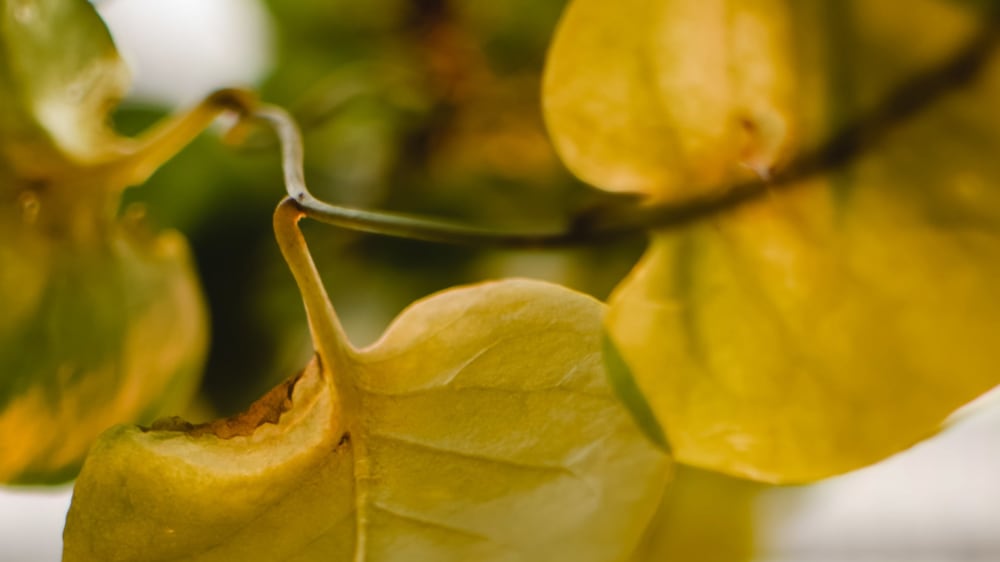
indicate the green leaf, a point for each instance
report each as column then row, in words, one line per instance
column 826, row 326
column 60, row 76
column 94, row 333
column 103, row 321
column 479, row 427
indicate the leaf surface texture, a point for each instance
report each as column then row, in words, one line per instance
column 479, row 427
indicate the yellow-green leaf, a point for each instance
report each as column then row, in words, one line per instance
column 671, row 97
column 479, row 427
column 102, row 321
column 60, row 75
column 94, row 333
column 824, row 327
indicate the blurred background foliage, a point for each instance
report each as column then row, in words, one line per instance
column 426, row 106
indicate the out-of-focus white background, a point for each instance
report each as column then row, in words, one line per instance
column 939, row 501
column 183, row 49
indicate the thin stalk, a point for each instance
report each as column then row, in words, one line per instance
column 904, row 102
column 327, row 333
column 166, row 139
column 376, row 222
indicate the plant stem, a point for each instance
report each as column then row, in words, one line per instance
column 390, row 224
column 328, row 334
column 166, row 139
column 904, row 102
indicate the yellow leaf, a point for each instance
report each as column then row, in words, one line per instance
column 704, row 517
column 672, row 97
column 479, row 427
column 824, row 327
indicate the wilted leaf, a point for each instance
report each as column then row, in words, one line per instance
column 103, row 321
column 671, row 97
column 827, row 326
column 479, row 427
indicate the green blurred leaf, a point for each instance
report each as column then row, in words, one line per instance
column 60, row 76
column 104, row 321
column 94, row 333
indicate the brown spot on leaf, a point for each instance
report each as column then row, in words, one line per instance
column 268, row 409
column 345, row 439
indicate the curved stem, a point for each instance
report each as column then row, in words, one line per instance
column 327, row 333
column 390, row 224
column 166, row 139
column 397, row 224
column 901, row 104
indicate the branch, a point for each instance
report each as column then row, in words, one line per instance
column 376, row 222
column 904, row 102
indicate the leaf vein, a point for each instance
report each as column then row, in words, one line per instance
column 423, row 520
column 438, row 449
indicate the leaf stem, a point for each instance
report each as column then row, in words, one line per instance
column 327, row 333
column 166, row 139
column 390, row 224
column 907, row 100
